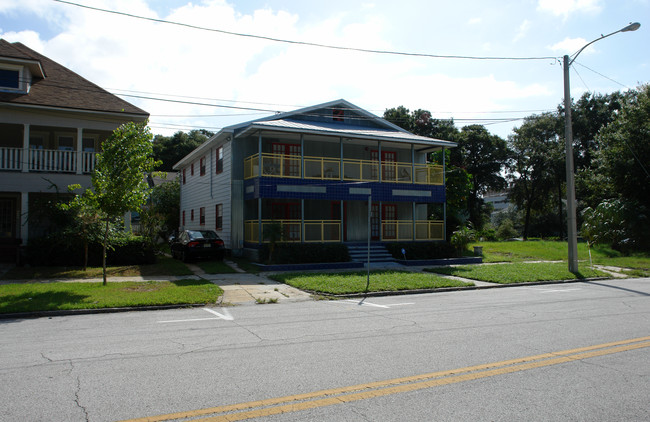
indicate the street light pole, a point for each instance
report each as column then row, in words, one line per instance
column 572, row 234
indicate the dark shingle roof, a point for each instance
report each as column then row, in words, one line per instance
column 61, row 88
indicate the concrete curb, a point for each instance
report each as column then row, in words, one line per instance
column 40, row 314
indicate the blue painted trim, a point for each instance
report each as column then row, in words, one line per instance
column 336, row 190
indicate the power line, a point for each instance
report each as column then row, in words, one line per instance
column 306, row 43
column 606, row 77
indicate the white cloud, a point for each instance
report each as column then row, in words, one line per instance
column 474, row 21
column 523, row 30
column 570, row 46
column 566, row 7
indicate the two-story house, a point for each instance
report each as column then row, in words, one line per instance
column 52, row 123
column 314, row 171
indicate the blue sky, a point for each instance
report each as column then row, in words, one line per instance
column 128, row 56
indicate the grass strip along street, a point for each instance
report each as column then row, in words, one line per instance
column 35, row 297
column 518, row 272
column 342, row 395
column 355, row 282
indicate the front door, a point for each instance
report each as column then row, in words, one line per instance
column 389, row 216
column 290, row 166
column 375, row 223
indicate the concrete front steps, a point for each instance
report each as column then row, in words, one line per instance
column 378, row 253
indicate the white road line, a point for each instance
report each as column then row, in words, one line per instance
column 557, row 290
column 401, row 304
column 225, row 316
column 364, row 303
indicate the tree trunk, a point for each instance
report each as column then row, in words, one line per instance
column 527, row 219
column 104, row 253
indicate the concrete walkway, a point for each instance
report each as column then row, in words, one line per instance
column 243, row 288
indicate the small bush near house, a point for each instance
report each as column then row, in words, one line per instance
column 57, row 249
column 421, row 250
column 506, row 230
column 461, row 238
column 305, row 253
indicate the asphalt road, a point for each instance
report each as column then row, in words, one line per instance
column 578, row 351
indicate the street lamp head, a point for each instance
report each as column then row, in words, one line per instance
column 631, row 27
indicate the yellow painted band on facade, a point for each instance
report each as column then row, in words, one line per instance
column 399, row 385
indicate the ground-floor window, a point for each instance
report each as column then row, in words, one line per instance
column 219, row 214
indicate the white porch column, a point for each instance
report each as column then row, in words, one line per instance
column 25, row 161
column 79, row 149
column 24, row 213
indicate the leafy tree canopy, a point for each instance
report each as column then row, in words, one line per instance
column 171, row 149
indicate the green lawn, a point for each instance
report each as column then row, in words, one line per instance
column 163, row 266
column 546, row 250
column 355, row 282
column 517, row 272
column 31, row 297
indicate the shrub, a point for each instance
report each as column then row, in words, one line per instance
column 461, row 238
column 506, row 230
column 305, row 253
column 421, row 250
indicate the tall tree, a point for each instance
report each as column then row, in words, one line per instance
column 535, row 172
column 484, row 157
column 171, row 149
column 119, row 180
column 421, row 123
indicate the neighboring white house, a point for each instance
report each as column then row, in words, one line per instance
column 52, row 123
column 312, row 171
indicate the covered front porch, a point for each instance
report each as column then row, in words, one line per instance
column 322, row 221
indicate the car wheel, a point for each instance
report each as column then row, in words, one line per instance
column 184, row 256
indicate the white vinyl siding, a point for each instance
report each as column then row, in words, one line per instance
column 207, row 191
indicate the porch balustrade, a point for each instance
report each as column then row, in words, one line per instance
column 315, row 230
column 327, row 168
column 45, row 160
column 403, row 230
column 330, row 230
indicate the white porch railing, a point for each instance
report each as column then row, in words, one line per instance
column 11, row 158
column 46, row 160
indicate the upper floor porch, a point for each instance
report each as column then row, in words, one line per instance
column 331, row 158
column 29, row 148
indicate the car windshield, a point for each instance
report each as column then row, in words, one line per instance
column 202, row 234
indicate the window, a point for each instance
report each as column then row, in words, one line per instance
column 88, row 144
column 219, row 213
column 192, row 170
column 219, row 160
column 202, row 166
column 184, row 177
column 183, row 217
column 192, row 215
column 337, row 114
column 9, row 78
column 202, row 216
column 66, row 143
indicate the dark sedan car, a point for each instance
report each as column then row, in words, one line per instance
column 195, row 244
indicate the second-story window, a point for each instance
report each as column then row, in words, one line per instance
column 202, row 166
column 184, row 176
column 219, row 156
column 192, row 215
column 192, row 170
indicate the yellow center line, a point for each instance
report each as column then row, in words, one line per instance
column 316, row 399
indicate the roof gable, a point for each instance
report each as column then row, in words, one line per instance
column 60, row 87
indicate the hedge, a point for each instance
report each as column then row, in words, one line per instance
column 421, row 250
column 57, row 250
column 305, row 253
